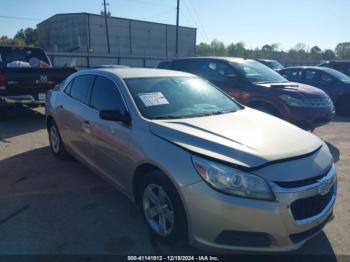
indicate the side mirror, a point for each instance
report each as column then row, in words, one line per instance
column 116, row 116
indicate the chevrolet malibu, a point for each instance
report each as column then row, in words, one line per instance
column 202, row 168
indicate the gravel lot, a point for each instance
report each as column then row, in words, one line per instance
column 52, row 207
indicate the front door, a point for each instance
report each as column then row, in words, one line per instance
column 111, row 139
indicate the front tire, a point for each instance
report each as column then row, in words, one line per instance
column 163, row 210
column 56, row 144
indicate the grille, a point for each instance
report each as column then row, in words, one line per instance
column 318, row 102
column 302, row 183
column 296, row 238
column 244, row 239
column 312, row 206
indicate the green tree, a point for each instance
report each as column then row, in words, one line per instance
column 328, row 54
column 343, row 50
column 4, row 40
column 204, row 49
column 236, row 50
column 315, row 53
column 28, row 35
column 218, row 48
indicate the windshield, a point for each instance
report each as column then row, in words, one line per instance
column 338, row 75
column 258, row 73
column 178, row 97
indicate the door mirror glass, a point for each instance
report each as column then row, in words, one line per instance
column 116, row 116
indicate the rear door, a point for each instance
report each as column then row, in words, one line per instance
column 328, row 84
column 73, row 111
column 311, row 77
column 111, row 139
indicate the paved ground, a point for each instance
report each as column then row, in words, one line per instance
column 54, row 207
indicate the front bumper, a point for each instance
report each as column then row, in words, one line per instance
column 219, row 222
column 311, row 118
column 20, row 100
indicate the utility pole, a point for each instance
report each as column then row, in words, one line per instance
column 106, row 26
column 177, row 29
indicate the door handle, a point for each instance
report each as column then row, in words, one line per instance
column 86, row 127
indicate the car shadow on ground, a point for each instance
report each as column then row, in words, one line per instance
column 21, row 120
column 57, row 207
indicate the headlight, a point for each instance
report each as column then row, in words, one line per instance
column 232, row 181
column 292, row 101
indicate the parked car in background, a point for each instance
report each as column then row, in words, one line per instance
column 203, row 168
column 166, row 64
column 26, row 74
column 257, row 86
column 340, row 65
column 109, row 66
column 273, row 64
column 334, row 83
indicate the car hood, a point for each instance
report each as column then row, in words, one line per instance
column 298, row 90
column 247, row 138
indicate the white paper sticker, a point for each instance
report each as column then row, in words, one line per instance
column 153, row 99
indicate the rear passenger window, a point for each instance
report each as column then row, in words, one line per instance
column 292, row 74
column 106, row 96
column 310, row 75
column 189, row 66
column 81, row 88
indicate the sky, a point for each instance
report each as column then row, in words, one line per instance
column 255, row 22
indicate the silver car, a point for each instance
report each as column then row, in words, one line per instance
column 203, row 168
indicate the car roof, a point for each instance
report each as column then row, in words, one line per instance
column 338, row 61
column 137, row 72
column 304, row 67
column 267, row 60
column 224, row 58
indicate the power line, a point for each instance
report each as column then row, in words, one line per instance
column 20, row 18
column 194, row 22
column 193, row 9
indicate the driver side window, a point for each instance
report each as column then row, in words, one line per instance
column 106, row 96
column 216, row 71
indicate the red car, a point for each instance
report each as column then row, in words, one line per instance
column 257, row 86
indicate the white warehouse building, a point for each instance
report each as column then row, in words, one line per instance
column 86, row 33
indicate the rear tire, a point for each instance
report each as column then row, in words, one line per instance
column 163, row 210
column 56, row 144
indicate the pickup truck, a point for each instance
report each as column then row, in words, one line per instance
column 26, row 74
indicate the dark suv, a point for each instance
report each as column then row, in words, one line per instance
column 340, row 65
column 257, row 86
column 334, row 83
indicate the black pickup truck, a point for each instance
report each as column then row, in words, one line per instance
column 26, row 74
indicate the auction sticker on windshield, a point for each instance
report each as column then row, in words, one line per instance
column 153, row 99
